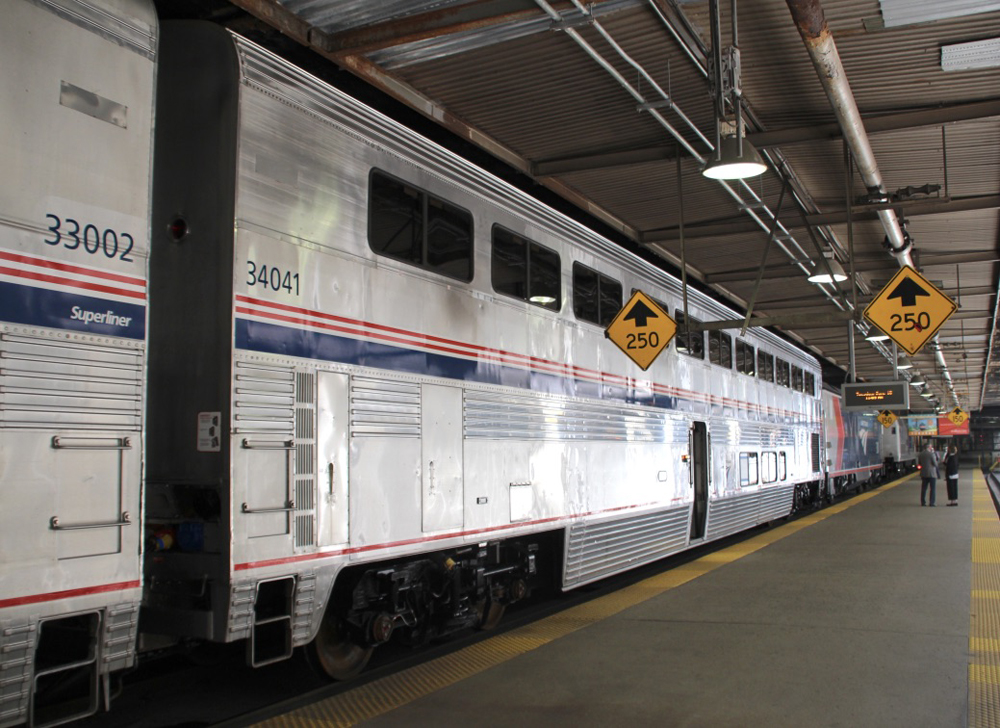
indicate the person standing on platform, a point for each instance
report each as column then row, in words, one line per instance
column 928, row 462
column 951, row 474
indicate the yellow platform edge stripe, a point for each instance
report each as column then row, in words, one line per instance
column 984, row 618
column 389, row 693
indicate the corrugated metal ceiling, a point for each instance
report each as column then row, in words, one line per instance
column 502, row 74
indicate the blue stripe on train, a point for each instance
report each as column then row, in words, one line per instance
column 33, row 306
column 288, row 341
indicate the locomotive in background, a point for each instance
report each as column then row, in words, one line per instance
column 277, row 369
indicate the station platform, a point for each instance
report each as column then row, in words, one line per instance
column 871, row 612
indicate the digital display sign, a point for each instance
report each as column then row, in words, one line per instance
column 876, row 396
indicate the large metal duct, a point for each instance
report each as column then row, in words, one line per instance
column 811, row 22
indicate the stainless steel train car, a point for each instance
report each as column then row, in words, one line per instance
column 859, row 451
column 372, row 397
column 380, row 395
column 75, row 147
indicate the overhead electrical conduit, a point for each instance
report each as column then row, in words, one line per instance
column 811, row 22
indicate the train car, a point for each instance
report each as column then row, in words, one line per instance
column 899, row 448
column 855, row 454
column 75, row 147
column 381, row 400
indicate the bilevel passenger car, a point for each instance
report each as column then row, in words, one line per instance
column 75, row 147
column 380, row 394
column 379, row 399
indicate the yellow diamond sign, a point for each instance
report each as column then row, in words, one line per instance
column 641, row 329
column 910, row 310
column 958, row 416
column 887, row 418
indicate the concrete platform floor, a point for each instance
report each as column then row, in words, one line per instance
column 857, row 615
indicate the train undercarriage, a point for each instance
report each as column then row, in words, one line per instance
column 421, row 599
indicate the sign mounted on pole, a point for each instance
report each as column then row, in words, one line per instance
column 887, row 418
column 641, row 329
column 958, row 416
column 876, row 396
column 910, row 310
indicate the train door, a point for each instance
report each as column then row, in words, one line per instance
column 699, row 477
column 442, row 486
column 333, row 456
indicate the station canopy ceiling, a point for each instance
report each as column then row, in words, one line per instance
column 608, row 107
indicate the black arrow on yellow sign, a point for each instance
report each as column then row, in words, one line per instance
column 907, row 292
column 640, row 313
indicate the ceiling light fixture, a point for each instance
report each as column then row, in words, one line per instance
column 736, row 159
column 835, row 274
column 917, row 382
column 874, row 335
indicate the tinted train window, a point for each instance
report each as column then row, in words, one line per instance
column 691, row 343
column 720, row 349
column 769, row 467
column 810, row 384
column 410, row 225
column 745, row 360
column 797, row 381
column 781, row 375
column 748, row 468
column 782, row 466
column 765, row 366
column 525, row 270
column 596, row 298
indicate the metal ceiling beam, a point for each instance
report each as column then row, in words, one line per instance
column 788, row 270
column 603, row 160
column 890, row 122
column 873, row 124
column 424, row 26
column 909, row 208
column 799, row 321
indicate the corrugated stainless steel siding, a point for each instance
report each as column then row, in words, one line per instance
column 46, row 383
column 264, row 399
column 505, row 416
column 383, row 408
column 595, row 550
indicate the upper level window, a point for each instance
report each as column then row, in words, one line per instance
column 781, row 373
column 797, row 380
column 525, row 270
column 810, row 387
column 596, row 298
column 413, row 226
column 765, row 366
column 745, row 359
column 691, row 343
column 720, row 348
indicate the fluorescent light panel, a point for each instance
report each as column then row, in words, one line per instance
column 971, row 56
column 908, row 12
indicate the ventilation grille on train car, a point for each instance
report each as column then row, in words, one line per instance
column 814, row 451
column 47, row 383
column 595, row 550
column 491, row 416
column 305, row 458
column 382, row 408
column 730, row 515
column 264, row 399
column 775, row 502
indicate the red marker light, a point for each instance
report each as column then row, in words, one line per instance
column 178, row 229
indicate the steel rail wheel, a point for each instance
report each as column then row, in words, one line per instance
column 333, row 653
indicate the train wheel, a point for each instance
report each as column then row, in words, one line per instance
column 334, row 654
column 490, row 611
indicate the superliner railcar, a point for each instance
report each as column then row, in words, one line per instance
column 379, row 399
column 75, row 146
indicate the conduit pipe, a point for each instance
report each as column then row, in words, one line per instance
column 811, row 22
